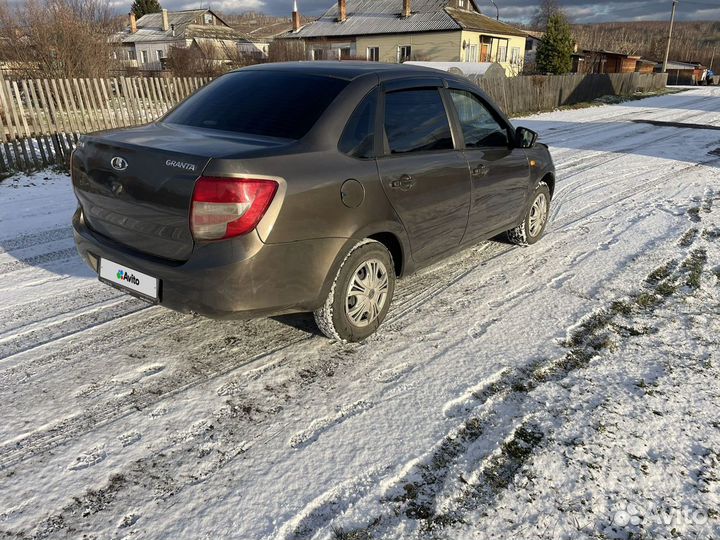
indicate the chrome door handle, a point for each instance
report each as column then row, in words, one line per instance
column 404, row 183
column 480, row 170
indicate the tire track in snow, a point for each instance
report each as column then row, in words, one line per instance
column 34, row 239
column 466, row 470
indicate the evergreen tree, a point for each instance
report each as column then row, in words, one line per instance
column 556, row 46
column 143, row 7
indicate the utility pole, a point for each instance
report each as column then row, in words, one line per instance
column 667, row 51
column 712, row 58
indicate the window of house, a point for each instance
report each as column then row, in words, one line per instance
column 502, row 50
column 471, row 53
column 159, row 54
column 404, row 53
column 515, row 55
column 144, row 57
column 529, row 44
column 358, row 138
column 373, row 54
column 208, row 18
column 479, row 126
column 345, row 53
column 318, row 54
column 415, row 121
column 131, row 55
column 461, row 4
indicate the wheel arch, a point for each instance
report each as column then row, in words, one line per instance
column 549, row 179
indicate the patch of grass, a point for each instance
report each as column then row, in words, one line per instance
column 359, row 534
column 591, row 325
column 621, row 307
column 689, row 237
column 711, row 234
column 631, row 331
column 664, row 271
column 694, row 265
column 647, row 300
column 666, row 289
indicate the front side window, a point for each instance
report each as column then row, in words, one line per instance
column 404, row 53
column 515, row 55
column 144, row 57
column 373, row 54
column 479, row 127
column 266, row 103
column 358, row 138
column 416, row 121
column 159, row 54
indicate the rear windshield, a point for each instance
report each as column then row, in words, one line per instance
column 269, row 103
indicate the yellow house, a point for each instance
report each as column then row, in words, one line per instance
column 400, row 30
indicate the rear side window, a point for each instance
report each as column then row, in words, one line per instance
column 358, row 139
column 416, row 121
column 267, row 103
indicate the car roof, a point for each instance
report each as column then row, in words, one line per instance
column 349, row 70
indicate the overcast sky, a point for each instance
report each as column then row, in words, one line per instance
column 580, row 11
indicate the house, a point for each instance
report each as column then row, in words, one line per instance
column 262, row 35
column 683, row 72
column 398, row 30
column 589, row 61
column 146, row 42
column 532, row 42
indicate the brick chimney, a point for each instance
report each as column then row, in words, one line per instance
column 133, row 23
column 342, row 10
column 406, row 8
column 166, row 22
column 295, row 17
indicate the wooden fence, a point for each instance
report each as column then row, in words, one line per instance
column 40, row 120
column 535, row 93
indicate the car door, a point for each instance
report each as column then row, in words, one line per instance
column 424, row 177
column 500, row 173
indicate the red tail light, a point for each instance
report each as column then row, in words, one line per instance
column 227, row 207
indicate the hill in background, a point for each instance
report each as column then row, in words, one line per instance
column 692, row 41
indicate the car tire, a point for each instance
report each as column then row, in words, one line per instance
column 357, row 302
column 536, row 217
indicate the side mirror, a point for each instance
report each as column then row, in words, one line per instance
column 525, row 137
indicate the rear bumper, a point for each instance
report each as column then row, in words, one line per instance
column 237, row 278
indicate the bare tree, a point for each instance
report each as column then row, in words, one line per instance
column 545, row 10
column 693, row 41
column 208, row 58
column 286, row 50
column 57, row 38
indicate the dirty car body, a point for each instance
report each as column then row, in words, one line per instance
column 311, row 158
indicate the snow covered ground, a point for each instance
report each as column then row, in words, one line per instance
column 566, row 390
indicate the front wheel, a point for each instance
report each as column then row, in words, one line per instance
column 536, row 217
column 360, row 295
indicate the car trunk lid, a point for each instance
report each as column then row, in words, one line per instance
column 135, row 186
